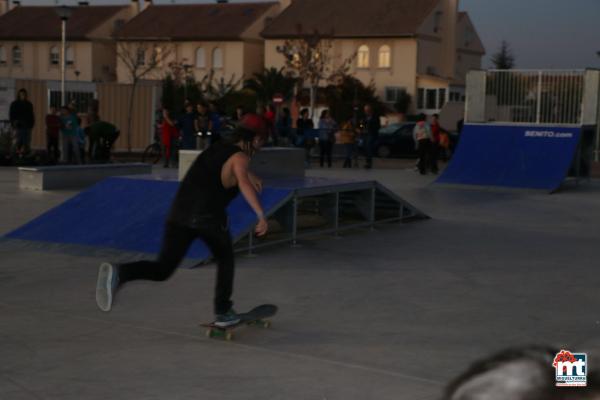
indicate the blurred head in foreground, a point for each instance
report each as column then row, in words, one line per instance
column 517, row 374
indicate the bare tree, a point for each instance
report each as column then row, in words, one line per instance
column 140, row 60
column 308, row 57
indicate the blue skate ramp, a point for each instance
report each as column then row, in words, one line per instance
column 521, row 157
column 129, row 214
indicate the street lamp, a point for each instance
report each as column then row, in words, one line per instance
column 64, row 13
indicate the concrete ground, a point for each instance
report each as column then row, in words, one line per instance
column 390, row 314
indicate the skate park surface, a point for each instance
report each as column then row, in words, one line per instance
column 390, row 314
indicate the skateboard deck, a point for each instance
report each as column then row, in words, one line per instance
column 257, row 316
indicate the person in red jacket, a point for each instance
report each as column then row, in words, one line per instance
column 169, row 137
column 269, row 116
column 436, row 131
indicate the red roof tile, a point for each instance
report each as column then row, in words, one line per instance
column 42, row 23
column 351, row 18
column 194, row 21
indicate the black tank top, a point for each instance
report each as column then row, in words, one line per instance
column 201, row 194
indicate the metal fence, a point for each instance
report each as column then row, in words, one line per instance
column 534, row 97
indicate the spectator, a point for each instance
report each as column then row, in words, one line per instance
column 186, row 124
column 169, row 138
column 348, row 139
column 202, row 125
column 215, row 122
column 517, row 374
column 70, row 136
column 327, row 129
column 81, row 137
column 102, row 135
column 371, row 125
column 269, row 116
column 239, row 114
column 53, row 124
column 305, row 127
column 22, row 120
column 284, row 127
column 422, row 137
column 436, row 131
column 80, row 134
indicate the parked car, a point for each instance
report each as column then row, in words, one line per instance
column 396, row 140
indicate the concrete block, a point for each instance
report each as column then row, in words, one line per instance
column 270, row 162
column 75, row 176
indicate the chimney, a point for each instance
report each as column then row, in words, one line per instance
column 449, row 37
column 4, row 6
column 83, row 3
column 284, row 4
column 138, row 6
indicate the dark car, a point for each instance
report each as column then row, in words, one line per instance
column 396, row 140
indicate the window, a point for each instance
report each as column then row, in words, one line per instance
column 17, row 56
column 157, row 57
column 2, row 56
column 217, row 58
column 441, row 98
column 81, row 100
column 385, row 57
column 421, row 98
column 392, row 94
column 431, row 99
column 54, row 55
column 141, row 57
column 70, row 56
column 363, row 56
column 200, row 58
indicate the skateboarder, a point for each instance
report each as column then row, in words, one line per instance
column 198, row 211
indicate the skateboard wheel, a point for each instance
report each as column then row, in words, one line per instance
column 228, row 336
column 267, row 324
column 209, row 333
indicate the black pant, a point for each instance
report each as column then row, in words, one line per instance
column 176, row 242
column 433, row 157
column 370, row 143
column 424, row 150
column 326, row 151
column 52, row 147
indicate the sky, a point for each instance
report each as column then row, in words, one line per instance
column 541, row 33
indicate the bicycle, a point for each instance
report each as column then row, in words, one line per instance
column 153, row 153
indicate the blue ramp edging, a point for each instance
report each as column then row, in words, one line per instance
column 129, row 214
column 522, row 157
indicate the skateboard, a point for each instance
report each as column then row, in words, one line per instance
column 257, row 317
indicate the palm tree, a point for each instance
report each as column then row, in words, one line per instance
column 270, row 82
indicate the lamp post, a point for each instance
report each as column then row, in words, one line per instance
column 64, row 13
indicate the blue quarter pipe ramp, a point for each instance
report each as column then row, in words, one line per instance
column 510, row 156
column 128, row 213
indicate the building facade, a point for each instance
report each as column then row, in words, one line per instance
column 423, row 47
column 30, row 42
column 222, row 39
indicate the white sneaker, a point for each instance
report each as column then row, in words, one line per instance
column 108, row 282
